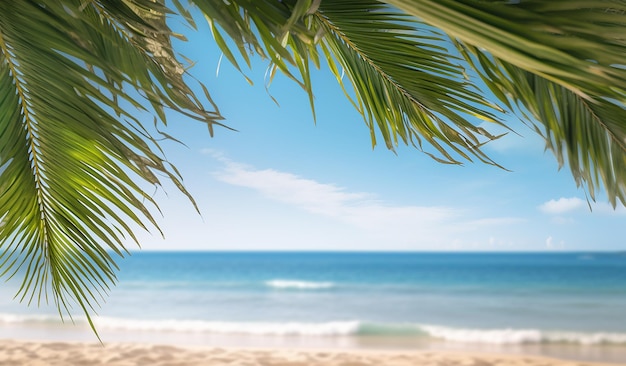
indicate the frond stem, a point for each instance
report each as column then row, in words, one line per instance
column 31, row 137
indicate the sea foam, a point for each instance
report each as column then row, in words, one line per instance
column 522, row 336
column 301, row 285
column 359, row 328
column 345, row 328
column 340, row 328
column 6, row 318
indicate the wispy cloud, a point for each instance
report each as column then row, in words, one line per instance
column 357, row 208
column 415, row 225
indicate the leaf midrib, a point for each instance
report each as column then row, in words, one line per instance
column 30, row 138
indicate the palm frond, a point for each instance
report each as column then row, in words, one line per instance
column 576, row 44
column 406, row 84
column 74, row 159
column 405, row 81
column 258, row 27
column 588, row 135
column 560, row 61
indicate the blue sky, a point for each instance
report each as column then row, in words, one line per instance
column 285, row 182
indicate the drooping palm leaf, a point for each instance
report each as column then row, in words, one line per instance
column 406, row 84
column 577, row 44
column 405, row 80
column 270, row 29
column 562, row 61
column 74, row 158
column 588, row 135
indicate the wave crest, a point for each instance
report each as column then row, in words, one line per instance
column 331, row 329
column 241, row 328
column 522, row 336
column 301, row 285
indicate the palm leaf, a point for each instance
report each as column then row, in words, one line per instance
column 74, row 160
column 405, row 79
column 588, row 135
column 270, row 29
column 406, row 84
column 576, row 44
column 561, row 62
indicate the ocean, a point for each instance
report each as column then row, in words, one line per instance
column 567, row 305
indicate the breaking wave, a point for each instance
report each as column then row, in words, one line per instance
column 300, row 285
column 334, row 329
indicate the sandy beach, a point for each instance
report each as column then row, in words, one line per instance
column 23, row 353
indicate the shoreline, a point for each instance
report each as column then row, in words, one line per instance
column 570, row 353
column 52, row 353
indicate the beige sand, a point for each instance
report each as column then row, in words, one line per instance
column 18, row 353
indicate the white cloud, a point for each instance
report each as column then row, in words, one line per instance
column 360, row 209
column 406, row 226
column 562, row 205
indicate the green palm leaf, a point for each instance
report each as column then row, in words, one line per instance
column 576, row 44
column 406, row 84
column 73, row 156
column 271, row 29
column 588, row 135
column 560, row 61
column 405, row 81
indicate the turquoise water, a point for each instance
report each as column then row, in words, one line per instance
column 574, row 303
